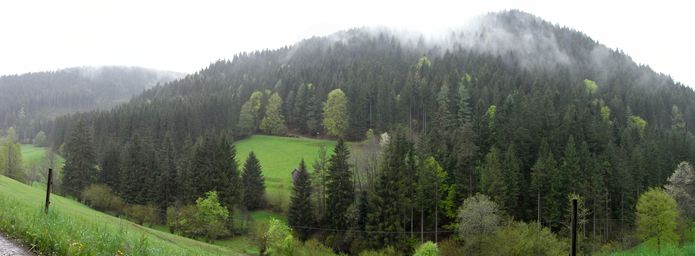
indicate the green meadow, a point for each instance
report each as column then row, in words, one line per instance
column 278, row 157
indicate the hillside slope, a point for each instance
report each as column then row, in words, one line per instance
column 74, row 229
column 507, row 93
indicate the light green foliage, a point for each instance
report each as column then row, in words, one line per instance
column 677, row 119
column 74, row 225
column 212, row 215
column 249, row 116
column 279, row 240
column 491, row 113
column 583, row 212
column 11, row 156
column 101, row 197
column 335, row 116
column 520, row 239
column 590, row 86
column 273, row 122
column 427, row 249
column 388, row 251
column 638, row 123
column 11, row 159
column 656, row 218
column 606, row 113
column 478, row 216
column 41, row 140
column 142, row 213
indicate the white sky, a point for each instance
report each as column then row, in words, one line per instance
column 186, row 36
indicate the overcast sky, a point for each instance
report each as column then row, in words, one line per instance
column 186, row 36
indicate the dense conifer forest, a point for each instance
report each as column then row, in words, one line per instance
column 29, row 100
column 511, row 116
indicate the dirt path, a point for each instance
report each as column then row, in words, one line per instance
column 9, row 248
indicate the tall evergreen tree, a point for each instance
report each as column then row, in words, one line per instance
column 80, row 168
column 545, row 181
column 492, row 180
column 167, row 182
column 340, row 190
column 384, row 220
column 300, row 215
column 110, row 169
column 215, row 168
column 254, row 183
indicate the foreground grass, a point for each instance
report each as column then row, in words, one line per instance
column 685, row 250
column 279, row 156
column 71, row 228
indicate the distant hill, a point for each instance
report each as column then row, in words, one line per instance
column 32, row 98
column 508, row 83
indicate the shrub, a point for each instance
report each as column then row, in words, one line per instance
column 278, row 239
column 101, row 197
column 388, row 251
column 427, row 249
column 142, row 213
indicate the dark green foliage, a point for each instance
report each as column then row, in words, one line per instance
column 168, row 180
column 29, row 101
column 214, row 168
column 340, row 189
column 254, row 183
column 606, row 132
column 300, row 214
column 386, row 202
column 80, row 168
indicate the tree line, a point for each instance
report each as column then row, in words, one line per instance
column 527, row 137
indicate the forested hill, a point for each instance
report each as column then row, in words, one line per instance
column 28, row 99
column 508, row 83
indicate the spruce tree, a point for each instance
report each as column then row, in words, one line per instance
column 340, row 191
column 167, row 182
column 384, row 224
column 254, row 183
column 80, row 168
column 300, row 215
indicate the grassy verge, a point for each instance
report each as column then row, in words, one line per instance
column 71, row 228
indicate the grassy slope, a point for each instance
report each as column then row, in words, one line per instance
column 279, row 156
column 73, row 228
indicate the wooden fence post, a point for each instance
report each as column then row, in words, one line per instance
column 49, row 184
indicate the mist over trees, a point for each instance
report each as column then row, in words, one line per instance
column 473, row 131
column 30, row 101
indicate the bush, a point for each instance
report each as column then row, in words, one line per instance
column 525, row 239
column 183, row 220
column 451, row 248
column 427, row 249
column 212, row 216
column 142, row 213
column 101, row 197
column 388, row 251
column 278, row 239
column 41, row 140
